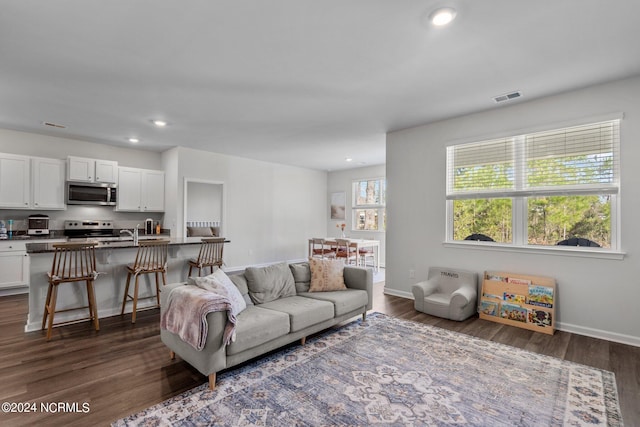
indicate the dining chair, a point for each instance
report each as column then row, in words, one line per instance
column 346, row 252
column 320, row 249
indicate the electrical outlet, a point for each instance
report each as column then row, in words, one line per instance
column 412, row 274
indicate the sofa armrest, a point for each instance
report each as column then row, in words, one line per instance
column 212, row 358
column 464, row 295
column 421, row 290
column 360, row 278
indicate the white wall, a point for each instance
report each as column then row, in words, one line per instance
column 598, row 297
column 204, row 202
column 270, row 211
column 342, row 181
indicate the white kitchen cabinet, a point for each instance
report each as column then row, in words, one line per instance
column 82, row 169
column 14, row 265
column 15, row 181
column 140, row 190
column 47, row 177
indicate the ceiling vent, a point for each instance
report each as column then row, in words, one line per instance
column 54, row 125
column 507, row 96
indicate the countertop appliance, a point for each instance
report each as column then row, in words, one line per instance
column 102, row 229
column 38, row 225
column 82, row 193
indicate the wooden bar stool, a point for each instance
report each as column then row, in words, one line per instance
column 210, row 255
column 151, row 258
column 72, row 262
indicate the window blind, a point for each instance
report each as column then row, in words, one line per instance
column 577, row 160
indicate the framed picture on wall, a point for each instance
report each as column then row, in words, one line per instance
column 338, row 205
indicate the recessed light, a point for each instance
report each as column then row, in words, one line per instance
column 443, row 16
column 134, row 140
column 160, row 123
column 348, row 159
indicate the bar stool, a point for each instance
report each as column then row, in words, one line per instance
column 151, row 258
column 210, row 255
column 72, row 262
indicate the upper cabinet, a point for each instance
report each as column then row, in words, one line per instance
column 91, row 170
column 15, row 181
column 31, row 182
column 48, row 183
column 140, row 190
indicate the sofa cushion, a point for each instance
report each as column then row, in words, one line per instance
column 301, row 276
column 303, row 312
column 326, row 275
column 270, row 283
column 241, row 283
column 199, row 232
column 256, row 326
column 343, row 301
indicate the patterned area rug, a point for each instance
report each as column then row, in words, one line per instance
column 388, row 371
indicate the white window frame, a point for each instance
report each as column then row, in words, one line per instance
column 380, row 207
column 519, row 214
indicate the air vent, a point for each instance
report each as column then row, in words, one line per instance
column 54, row 125
column 507, row 96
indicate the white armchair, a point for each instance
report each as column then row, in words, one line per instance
column 447, row 293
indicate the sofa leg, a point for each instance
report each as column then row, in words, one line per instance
column 364, row 316
column 172, row 355
column 212, row 381
column 303, row 340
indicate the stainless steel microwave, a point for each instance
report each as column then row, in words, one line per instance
column 82, row 193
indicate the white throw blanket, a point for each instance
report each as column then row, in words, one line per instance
column 186, row 314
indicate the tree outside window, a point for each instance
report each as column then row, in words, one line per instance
column 369, row 204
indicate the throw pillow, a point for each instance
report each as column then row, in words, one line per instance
column 219, row 283
column 199, row 232
column 301, row 276
column 326, row 275
column 270, row 283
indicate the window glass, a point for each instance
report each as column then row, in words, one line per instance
column 488, row 217
column 553, row 219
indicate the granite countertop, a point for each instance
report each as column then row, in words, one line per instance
column 43, row 247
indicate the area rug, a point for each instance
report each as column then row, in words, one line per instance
column 387, row 371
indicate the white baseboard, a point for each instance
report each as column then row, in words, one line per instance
column 565, row 327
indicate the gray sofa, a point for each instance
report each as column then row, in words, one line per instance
column 267, row 324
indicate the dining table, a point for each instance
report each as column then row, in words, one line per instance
column 357, row 244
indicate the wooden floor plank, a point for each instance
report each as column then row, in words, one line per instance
column 125, row 368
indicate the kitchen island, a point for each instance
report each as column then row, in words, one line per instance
column 111, row 260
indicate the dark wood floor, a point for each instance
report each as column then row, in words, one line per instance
column 124, row 368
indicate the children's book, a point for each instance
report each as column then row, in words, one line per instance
column 514, row 298
column 513, row 312
column 489, row 307
column 541, row 296
column 517, row 281
column 487, row 295
column 540, row 317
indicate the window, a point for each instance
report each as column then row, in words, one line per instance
column 537, row 189
column 369, row 205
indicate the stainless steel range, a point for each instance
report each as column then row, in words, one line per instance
column 82, row 229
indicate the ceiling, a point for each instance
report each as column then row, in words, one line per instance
column 297, row 82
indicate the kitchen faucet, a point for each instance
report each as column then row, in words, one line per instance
column 134, row 234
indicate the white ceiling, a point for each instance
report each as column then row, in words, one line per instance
column 298, row 82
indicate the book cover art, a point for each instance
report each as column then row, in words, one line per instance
column 517, row 281
column 489, row 307
column 495, row 278
column 514, row 298
column 541, row 296
column 488, row 295
column 540, row 317
column 513, row 312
